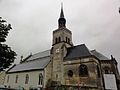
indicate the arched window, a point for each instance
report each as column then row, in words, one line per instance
column 26, row 79
column 55, row 40
column 70, row 73
column 107, row 70
column 56, row 76
column 59, row 39
column 66, row 39
column 8, row 78
column 16, row 80
column 98, row 71
column 83, row 70
column 40, row 82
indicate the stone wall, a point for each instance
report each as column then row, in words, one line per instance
column 89, row 81
column 48, row 74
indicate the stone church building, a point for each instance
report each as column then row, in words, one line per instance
column 65, row 67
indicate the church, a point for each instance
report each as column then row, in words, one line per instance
column 64, row 67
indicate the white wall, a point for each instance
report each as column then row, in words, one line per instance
column 33, row 79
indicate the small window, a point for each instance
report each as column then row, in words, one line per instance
column 16, row 80
column 26, row 79
column 8, row 78
column 70, row 73
column 83, row 70
column 40, row 79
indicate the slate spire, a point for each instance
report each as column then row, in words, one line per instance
column 61, row 20
column 61, row 13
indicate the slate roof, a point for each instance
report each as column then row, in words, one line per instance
column 35, row 62
column 78, row 51
column 99, row 55
column 39, row 55
column 81, row 51
column 40, row 60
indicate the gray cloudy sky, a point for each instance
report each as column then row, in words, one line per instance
column 93, row 22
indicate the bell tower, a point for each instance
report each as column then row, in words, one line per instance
column 62, row 34
column 62, row 39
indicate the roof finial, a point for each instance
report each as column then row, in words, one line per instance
column 62, row 13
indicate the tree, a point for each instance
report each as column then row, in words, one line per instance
column 7, row 56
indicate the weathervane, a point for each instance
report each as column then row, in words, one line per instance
column 119, row 9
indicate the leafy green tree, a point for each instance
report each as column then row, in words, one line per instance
column 7, row 56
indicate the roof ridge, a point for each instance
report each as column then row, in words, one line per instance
column 80, row 44
column 41, row 52
column 37, row 58
column 77, row 45
column 98, row 53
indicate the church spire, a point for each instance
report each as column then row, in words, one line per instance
column 62, row 13
column 61, row 20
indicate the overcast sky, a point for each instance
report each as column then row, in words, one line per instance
column 95, row 23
